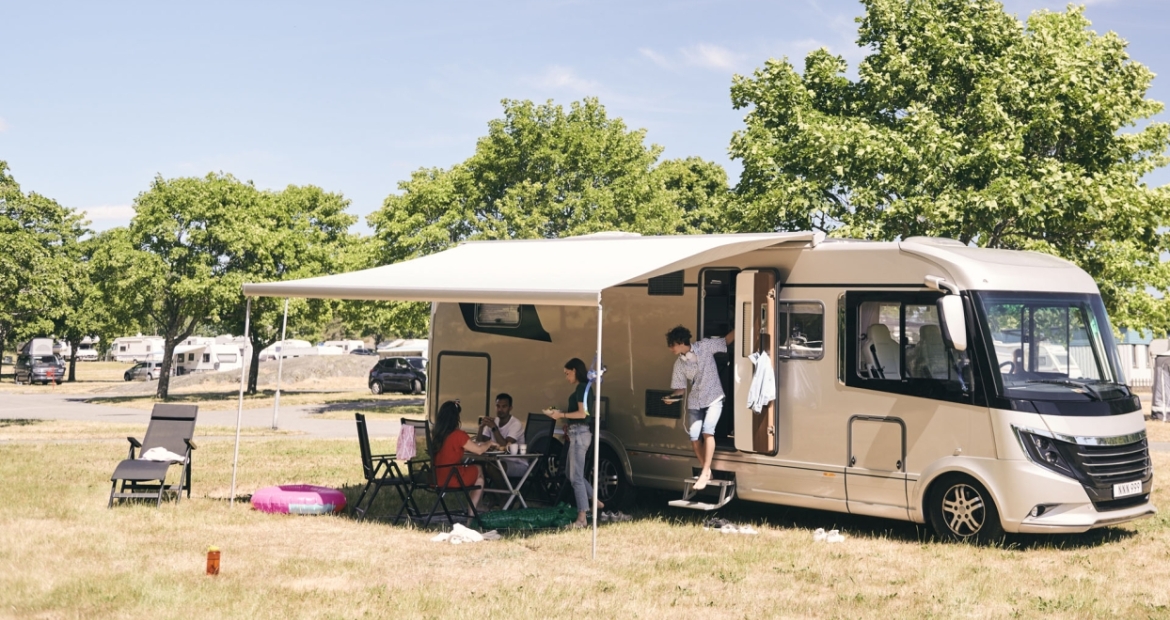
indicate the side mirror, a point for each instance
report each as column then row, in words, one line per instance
column 954, row 321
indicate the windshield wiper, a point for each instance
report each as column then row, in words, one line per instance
column 1089, row 390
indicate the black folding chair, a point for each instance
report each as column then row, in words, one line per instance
column 439, row 480
column 172, row 427
column 379, row 470
column 548, row 477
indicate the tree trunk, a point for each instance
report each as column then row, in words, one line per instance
column 164, row 381
column 254, row 366
column 73, row 360
column 4, row 341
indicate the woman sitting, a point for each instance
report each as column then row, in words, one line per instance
column 452, row 443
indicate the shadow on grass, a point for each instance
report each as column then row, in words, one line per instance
column 19, row 422
column 396, row 407
column 653, row 503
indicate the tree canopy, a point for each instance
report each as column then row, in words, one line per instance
column 38, row 238
column 544, row 172
column 964, row 122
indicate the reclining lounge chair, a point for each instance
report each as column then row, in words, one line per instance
column 171, row 428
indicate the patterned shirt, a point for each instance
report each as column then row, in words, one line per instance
column 701, row 372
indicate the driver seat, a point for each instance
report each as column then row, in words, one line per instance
column 882, row 353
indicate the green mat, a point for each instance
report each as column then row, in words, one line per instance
column 528, row 518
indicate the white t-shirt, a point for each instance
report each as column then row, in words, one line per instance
column 513, row 429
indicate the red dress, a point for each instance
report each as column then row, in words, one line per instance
column 450, row 453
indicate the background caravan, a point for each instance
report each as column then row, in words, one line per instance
column 972, row 389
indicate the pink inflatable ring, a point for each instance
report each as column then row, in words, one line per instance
column 299, row 499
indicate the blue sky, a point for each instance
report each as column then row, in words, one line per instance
column 99, row 98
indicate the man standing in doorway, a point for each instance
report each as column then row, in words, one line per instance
column 696, row 364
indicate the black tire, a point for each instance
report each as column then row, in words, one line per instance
column 376, row 387
column 416, row 386
column 614, row 489
column 150, row 376
column 961, row 510
column 126, row 376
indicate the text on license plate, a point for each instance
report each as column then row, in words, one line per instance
column 1125, row 489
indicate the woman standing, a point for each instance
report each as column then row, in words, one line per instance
column 452, row 443
column 580, row 432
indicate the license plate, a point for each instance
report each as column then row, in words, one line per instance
column 1125, row 489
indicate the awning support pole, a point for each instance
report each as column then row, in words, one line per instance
column 280, row 364
column 240, row 407
column 597, row 426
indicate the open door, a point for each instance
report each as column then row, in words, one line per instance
column 755, row 302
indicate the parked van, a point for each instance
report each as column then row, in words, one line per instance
column 39, row 368
column 891, row 398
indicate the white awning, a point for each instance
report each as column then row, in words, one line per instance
column 565, row 272
column 187, row 348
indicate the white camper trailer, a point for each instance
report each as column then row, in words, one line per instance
column 893, row 396
column 345, row 345
column 137, row 348
column 198, row 354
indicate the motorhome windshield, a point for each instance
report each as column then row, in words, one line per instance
column 1051, row 346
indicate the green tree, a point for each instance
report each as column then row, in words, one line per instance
column 545, row 172
column 85, row 312
column 176, row 260
column 305, row 235
column 38, row 238
column 966, row 123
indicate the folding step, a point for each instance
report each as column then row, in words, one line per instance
column 726, row 494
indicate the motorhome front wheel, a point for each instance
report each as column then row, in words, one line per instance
column 961, row 509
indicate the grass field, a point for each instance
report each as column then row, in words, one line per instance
column 64, row 555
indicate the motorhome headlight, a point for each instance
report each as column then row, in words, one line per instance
column 1045, row 452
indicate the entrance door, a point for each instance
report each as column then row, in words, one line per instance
column 464, row 376
column 755, row 303
column 875, row 479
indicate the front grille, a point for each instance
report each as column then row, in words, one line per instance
column 1104, row 466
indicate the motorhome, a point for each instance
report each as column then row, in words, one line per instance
column 345, row 345
column 137, row 348
column 892, row 395
column 405, row 347
column 196, row 354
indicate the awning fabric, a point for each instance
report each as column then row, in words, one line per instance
column 565, row 272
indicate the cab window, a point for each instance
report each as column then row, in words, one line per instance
column 895, row 344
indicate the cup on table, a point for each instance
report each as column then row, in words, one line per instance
column 523, row 448
column 513, row 448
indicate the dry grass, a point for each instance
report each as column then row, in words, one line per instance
column 66, row 555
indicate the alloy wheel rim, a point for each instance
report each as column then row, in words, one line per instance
column 963, row 510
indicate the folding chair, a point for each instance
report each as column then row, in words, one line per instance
column 379, row 470
column 549, row 476
column 439, row 480
column 172, row 428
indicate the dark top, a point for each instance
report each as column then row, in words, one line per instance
column 575, row 400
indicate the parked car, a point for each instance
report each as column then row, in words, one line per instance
column 144, row 371
column 86, row 353
column 39, row 368
column 399, row 374
column 363, row 352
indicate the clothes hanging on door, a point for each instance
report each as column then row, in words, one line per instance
column 763, row 388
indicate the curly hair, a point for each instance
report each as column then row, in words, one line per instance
column 678, row 335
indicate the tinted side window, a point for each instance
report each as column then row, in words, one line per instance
column 893, row 343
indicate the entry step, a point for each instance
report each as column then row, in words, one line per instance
column 726, row 491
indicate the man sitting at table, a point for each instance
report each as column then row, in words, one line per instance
column 504, row 430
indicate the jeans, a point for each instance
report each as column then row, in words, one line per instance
column 580, row 437
column 703, row 421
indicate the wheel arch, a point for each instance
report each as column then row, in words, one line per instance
column 943, row 468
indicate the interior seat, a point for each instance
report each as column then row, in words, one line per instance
column 931, row 353
column 882, row 352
